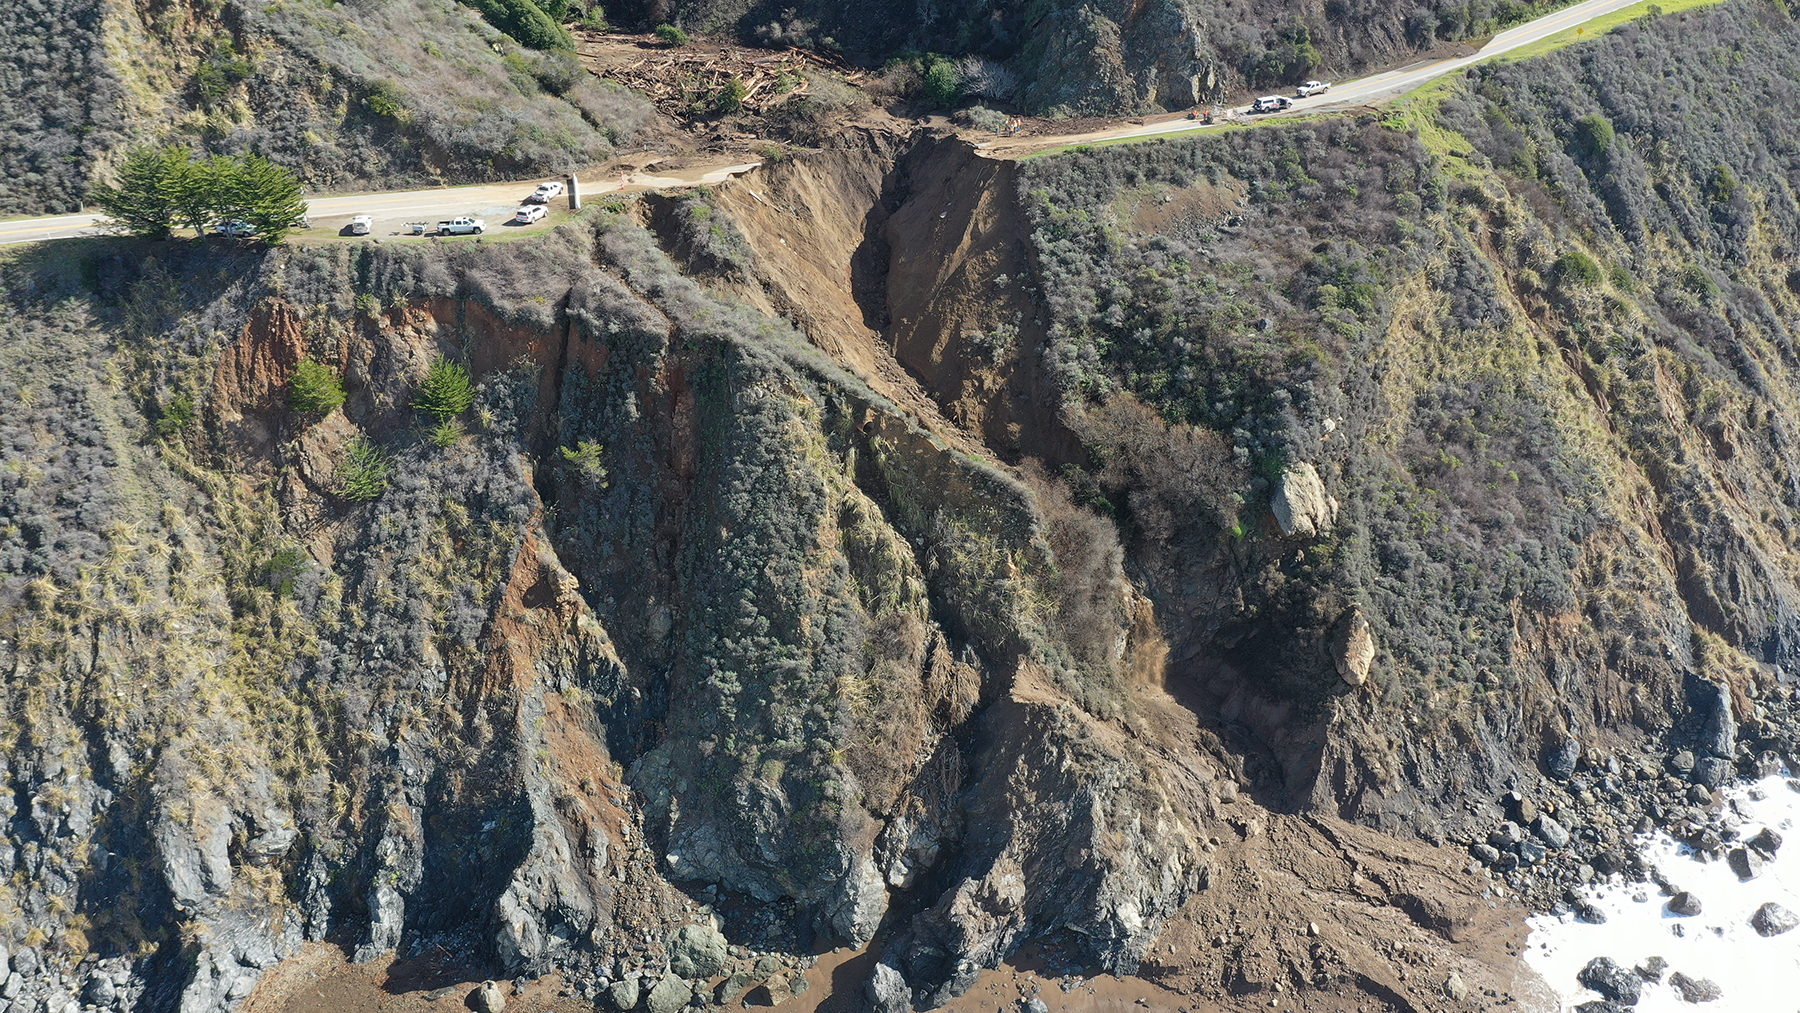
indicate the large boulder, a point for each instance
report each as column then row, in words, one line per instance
column 888, row 992
column 669, row 995
column 1747, row 863
column 1685, row 904
column 1718, row 733
column 625, row 994
column 696, row 951
column 1353, row 648
column 487, row 998
column 1772, row 920
column 1766, row 843
column 1614, row 983
column 1300, row 504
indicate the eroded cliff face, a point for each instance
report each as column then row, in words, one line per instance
column 1149, row 551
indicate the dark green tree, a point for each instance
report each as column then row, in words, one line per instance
column 202, row 195
column 266, row 195
column 446, row 392
column 146, row 200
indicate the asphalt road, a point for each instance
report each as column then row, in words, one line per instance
column 494, row 202
column 1363, row 91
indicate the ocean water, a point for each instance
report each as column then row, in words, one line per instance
column 1757, row 975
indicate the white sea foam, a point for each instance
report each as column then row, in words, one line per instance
column 1757, row 975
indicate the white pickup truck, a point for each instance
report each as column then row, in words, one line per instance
column 462, row 226
column 1312, row 88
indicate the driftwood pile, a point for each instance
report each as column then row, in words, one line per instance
column 688, row 80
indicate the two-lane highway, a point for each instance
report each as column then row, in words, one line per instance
column 496, row 202
column 1363, row 91
column 493, row 201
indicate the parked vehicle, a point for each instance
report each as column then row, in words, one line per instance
column 1313, row 88
column 530, row 213
column 362, row 225
column 1271, row 104
column 236, row 228
column 545, row 193
column 462, row 226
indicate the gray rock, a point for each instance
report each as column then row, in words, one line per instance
column 1747, row 863
column 1507, row 862
column 1699, row 795
column 625, row 994
column 1685, row 904
column 1600, row 1006
column 669, row 995
column 1718, row 735
column 99, row 991
column 1585, row 911
column 696, row 951
column 1605, row 976
column 1682, row 763
column 1713, row 772
column 1695, row 990
column 1454, row 987
column 1486, row 854
column 1035, row 1005
column 768, row 964
column 26, row 961
column 487, row 998
column 1772, row 920
column 888, row 991
column 1531, row 852
column 15, row 983
column 1560, row 759
column 733, row 988
column 1652, row 968
column 1767, row 842
column 1520, row 809
column 1506, row 835
column 1550, row 832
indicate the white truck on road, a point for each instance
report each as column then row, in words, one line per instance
column 462, row 226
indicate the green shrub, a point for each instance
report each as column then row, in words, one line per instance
column 446, row 433
column 1722, row 185
column 584, row 459
column 314, row 388
column 672, row 35
column 385, row 99
column 940, row 83
column 1576, row 269
column 1593, row 135
column 526, row 22
column 447, row 390
column 730, row 98
column 176, row 416
column 364, row 473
